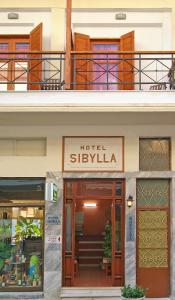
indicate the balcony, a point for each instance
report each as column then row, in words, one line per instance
column 97, row 71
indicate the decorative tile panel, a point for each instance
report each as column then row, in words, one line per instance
column 153, row 192
column 152, row 219
column 153, row 258
column 154, row 154
column 153, row 239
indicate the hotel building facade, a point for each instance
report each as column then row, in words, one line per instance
column 87, row 148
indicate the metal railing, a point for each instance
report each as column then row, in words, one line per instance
column 124, row 70
column 32, row 70
column 87, row 70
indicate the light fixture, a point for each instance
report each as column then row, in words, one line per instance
column 130, row 201
column 13, row 16
column 90, row 204
column 120, row 16
column 23, row 213
column 30, row 212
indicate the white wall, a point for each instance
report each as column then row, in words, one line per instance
column 38, row 166
column 153, row 30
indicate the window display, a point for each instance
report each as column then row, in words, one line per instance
column 21, row 247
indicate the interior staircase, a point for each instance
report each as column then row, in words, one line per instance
column 90, row 251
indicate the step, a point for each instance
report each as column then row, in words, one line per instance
column 90, row 260
column 94, row 265
column 90, row 245
column 94, row 249
column 91, row 238
column 90, row 292
column 90, row 252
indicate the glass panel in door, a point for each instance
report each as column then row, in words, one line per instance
column 105, row 67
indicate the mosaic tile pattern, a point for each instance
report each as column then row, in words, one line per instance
column 152, row 219
column 153, row 239
column 152, row 192
column 149, row 258
column 154, row 154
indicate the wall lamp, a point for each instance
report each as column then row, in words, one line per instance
column 130, row 201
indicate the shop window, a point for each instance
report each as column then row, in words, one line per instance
column 21, row 235
column 23, row 147
column 154, row 154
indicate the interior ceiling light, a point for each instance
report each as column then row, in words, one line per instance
column 90, row 204
column 30, row 212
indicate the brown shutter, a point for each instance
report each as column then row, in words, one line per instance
column 126, row 67
column 81, row 43
column 35, row 65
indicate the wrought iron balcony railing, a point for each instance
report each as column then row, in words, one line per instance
column 87, row 70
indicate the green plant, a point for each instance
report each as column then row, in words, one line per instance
column 129, row 291
column 107, row 241
column 26, row 228
column 5, row 253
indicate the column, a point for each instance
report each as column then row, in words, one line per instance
column 53, row 238
column 130, row 233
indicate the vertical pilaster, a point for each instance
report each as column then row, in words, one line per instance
column 130, row 233
column 53, row 229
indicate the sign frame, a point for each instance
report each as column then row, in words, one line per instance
column 91, row 171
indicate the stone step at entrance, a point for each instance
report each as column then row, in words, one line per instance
column 90, row 293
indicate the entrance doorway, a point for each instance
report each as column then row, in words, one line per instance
column 93, row 251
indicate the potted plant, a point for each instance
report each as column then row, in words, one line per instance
column 132, row 292
column 107, row 243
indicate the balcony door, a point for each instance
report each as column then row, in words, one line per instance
column 17, row 70
column 93, row 235
column 105, row 71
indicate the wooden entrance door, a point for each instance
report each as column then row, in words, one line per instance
column 110, row 192
column 96, row 72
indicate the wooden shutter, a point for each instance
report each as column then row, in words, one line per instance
column 35, row 65
column 126, row 67
column 81, row 43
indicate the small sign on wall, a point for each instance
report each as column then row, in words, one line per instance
column 93, row 154
column 54, row 239
column 130, row 228
column 52, row 220
column 52, row 192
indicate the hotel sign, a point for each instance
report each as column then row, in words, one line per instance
column 93, row 154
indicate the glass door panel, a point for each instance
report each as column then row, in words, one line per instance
column 118, row 227
column 21, row 67
column 105, row 67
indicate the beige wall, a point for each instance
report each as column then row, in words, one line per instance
column 38, row 166
column 58, row 11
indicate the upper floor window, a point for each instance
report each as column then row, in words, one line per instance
column 154, row 154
